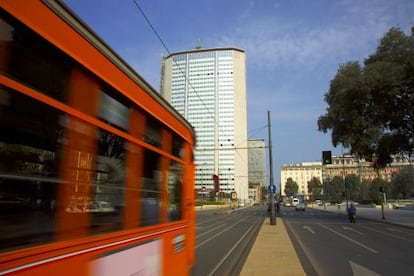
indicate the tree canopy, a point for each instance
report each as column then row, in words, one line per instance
column 291, row 187
column 315, row 187
column 371, row 108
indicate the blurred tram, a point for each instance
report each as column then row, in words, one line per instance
column 96, row 169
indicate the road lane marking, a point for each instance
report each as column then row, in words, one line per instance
column 309, row 229
column 395, row 230
column 230, row 251
column 349, row 239
column 219, row 233
column 351, row 229
column 387, row 234
column 359, row 270
column 211, row 230
column 315, row 262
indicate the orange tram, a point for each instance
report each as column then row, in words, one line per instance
column 96, row 169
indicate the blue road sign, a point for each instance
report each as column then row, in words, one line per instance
column 271, row 189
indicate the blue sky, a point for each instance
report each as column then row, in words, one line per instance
column 293, row 49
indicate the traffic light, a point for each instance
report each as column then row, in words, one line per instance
column 326, row 157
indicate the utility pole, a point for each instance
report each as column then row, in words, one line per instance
column 344, row 179
column 272, row 187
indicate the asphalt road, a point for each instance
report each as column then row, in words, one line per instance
column 327, row 244
column 224, row 240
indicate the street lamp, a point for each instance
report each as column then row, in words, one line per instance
column 344, row 180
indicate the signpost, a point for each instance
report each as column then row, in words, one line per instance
column 272, row 187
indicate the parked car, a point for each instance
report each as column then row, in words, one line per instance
column 300, row 206
column 318, row 202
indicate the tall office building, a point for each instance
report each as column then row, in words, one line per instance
column 208, row 87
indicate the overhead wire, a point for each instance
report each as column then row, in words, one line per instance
column 154, row 30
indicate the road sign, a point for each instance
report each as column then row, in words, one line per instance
column 272, row 189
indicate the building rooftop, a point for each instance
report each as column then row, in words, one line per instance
column 198, row 50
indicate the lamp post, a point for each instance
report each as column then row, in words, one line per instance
column 344, row 180
column 271, row 185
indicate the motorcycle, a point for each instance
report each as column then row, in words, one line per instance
column 351, row 217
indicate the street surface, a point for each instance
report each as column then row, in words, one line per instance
column 328, row 244
column 224, row 240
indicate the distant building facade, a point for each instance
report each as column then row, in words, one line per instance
column 341, row 165
column 208, row 87
column 347, row 164
column 300, row 173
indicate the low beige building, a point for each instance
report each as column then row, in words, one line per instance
column 300, row 173
column 341, row 165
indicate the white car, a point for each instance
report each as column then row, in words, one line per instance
column 295, row 201
column 300, row 206
column 318, row 202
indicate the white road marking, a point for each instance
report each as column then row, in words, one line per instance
column 353, row 230
column 348, row 238
column 309, row 229
column 359, row 270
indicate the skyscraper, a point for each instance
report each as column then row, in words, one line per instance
column 208, row 87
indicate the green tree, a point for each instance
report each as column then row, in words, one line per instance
column 364, row 190
column 370, row 109
column 336, row 189
column 353, row 186
column 291, row 187
column 403, row 184
column 374, row 193
column 315, row 188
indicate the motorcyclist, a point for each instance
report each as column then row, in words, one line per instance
column 352, row 212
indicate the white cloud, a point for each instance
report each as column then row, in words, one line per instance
column 271, row 43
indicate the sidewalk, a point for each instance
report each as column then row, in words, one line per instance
column 391, row 216
column 273, row 252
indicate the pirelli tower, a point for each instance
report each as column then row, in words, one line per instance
column 208, row 87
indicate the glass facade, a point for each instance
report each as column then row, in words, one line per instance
column 202, row 88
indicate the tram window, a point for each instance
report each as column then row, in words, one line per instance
column 175, row 188
column 177, row 146
column 153, row 132
column 30, row 137
column 32, row 60
column 151, row 187
column 113, row 111
column 109, row 187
